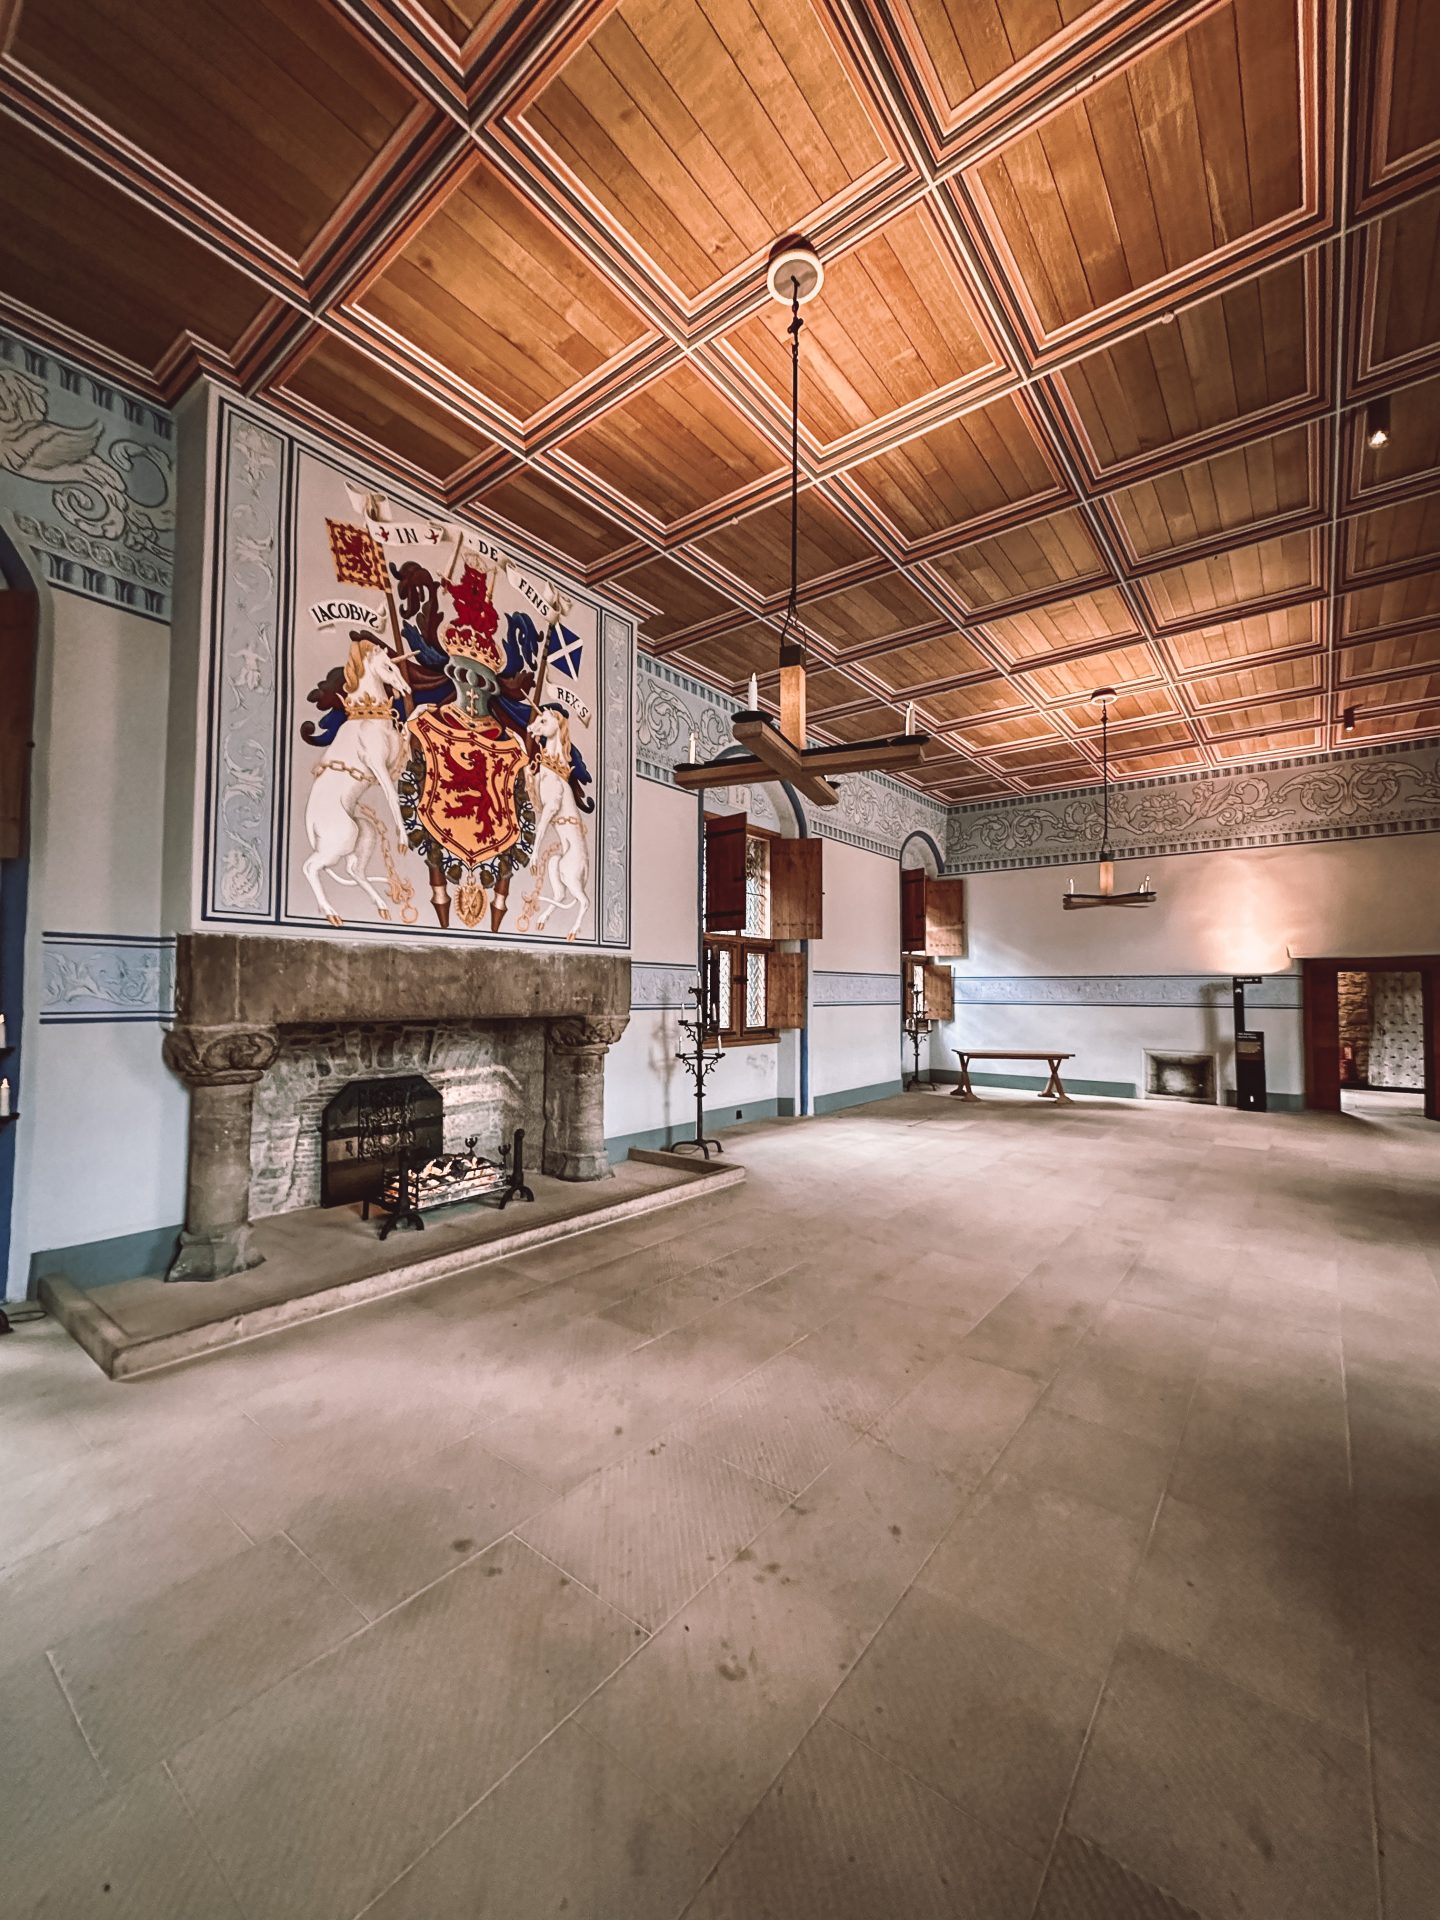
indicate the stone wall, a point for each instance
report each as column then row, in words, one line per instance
column 1397, row 1048
column 491, row 1076
column 1356, row 1023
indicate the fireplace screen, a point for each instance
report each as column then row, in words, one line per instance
column 366, row 1129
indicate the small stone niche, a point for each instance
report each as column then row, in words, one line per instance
column 1181, row 1076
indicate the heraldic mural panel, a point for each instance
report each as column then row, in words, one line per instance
column 442, row 728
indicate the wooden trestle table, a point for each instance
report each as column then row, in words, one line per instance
column 1053, row 1090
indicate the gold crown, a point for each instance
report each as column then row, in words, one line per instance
column 367, row 707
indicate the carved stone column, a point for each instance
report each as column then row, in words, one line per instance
column 221, row 1066
column 575, row 1095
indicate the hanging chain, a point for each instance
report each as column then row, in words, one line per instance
column 1105, row 778
column 791, row 606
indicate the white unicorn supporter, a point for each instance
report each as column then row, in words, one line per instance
column 368, row 750
column 566, row 865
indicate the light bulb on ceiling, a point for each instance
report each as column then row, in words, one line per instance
column 1377, row 423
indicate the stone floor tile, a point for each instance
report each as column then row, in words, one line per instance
column 1233, row 1805
column 319, row 1793
column 1085, row 1884
column 144, row 1681
column 136, row 1856
column 648, row 1532
column 1123, row 1474
column 784, row 1423
column 1274, row 1608
column 1049, row 1567
column 1155, row 1341
column 993, row 1724
column 1410, row 1877
column 1029, row 1336
column 1148, row 1407
column 48, row 1775
column 391, row 1530
column 960, row 1417
column 572, row 1831
column 1241, row 1451
column 845, row 1835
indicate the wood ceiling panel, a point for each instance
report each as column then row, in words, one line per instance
column 673, row 447
column 1394, row 536
column 367, row 397
column 1263, row 717
column 1003, row 733
column 1059, row 756
column 548, row 512
column 1400, row 320
column 1259, row 746
column 1226, row 494
column 944, row 658
column 756, row 547
column 964, row 51
column 1407, row 690
column 1170, row 760
column 1395, row 604
column 1135, row 740
column 867, row 724
column 974, row 702
column 1026, row 560
column 894, row 323
column 155, row 281
column 830, row 688
column 1229, row 640
column 1059, row 774
column 487, row 289
column 753, row 648
column 982, row 786
column 1414, row 449
column 678, row 598
column 1393, row 726
column 1126, row 709
column 1097, row 203
column 1236, row 358
column 1401, row 102
column 869, row 612
column 705, row 131
column 1402, row 651
column 1089, row 618
column 269, row 107
column 1302, row 674
column 1117, row 667
column 1287, row 563
column 968, row 470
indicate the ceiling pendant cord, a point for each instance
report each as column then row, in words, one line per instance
column 792, row 613
column 1105, row 853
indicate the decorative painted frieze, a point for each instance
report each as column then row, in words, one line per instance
column 855, row 990
column 87, row 473
column 1279, row 991
column 875, row 813
column 1334, row 796
column 90, row 977
column 659, row 985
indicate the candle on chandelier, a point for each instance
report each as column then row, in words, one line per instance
column 752, row 698
column 4, row 1099
column 690, row 754
column 909, row 716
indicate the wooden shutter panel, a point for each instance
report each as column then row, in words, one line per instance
column 939, row 993
column 725, row 873
column 797, row 890
column 785, row 990
column 944, row 916
column 912, row 910
column 17, row 678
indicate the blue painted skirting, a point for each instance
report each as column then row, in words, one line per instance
column 101, row 1263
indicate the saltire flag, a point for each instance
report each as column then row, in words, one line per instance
column 357, row 560
column 566, row 649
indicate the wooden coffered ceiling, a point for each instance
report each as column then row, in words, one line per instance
column 1109, row 284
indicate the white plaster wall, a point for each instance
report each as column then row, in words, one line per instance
column 853, row 1047
column 1254, row 911
column 102, row 1152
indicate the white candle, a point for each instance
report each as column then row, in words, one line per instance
column 4, row 1099
column 690, row 752
column 2, row 1029
column 909, row 716
column 752, row 698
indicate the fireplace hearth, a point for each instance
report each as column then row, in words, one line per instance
column 267, row 1028
column 368, row 1128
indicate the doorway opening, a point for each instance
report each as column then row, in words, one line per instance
column 1372, row 1048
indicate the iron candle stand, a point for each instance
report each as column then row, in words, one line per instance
column 699, row 1065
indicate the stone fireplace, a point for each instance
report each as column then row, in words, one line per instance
column 268, row 1029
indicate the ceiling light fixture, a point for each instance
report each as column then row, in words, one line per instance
column 794, row 276
column 1347, row 720
column 1143, row 896
column 1377, row 422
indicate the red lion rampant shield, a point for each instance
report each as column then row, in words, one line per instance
column 471, row 768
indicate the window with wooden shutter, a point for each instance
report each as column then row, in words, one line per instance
column 797, row 889
column 725, row 873
column 740, row 1007
column 945, row 917
column 939, row 983
column 786, row 989
column 912, row 910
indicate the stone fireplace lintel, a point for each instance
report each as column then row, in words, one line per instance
column 234, row 992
